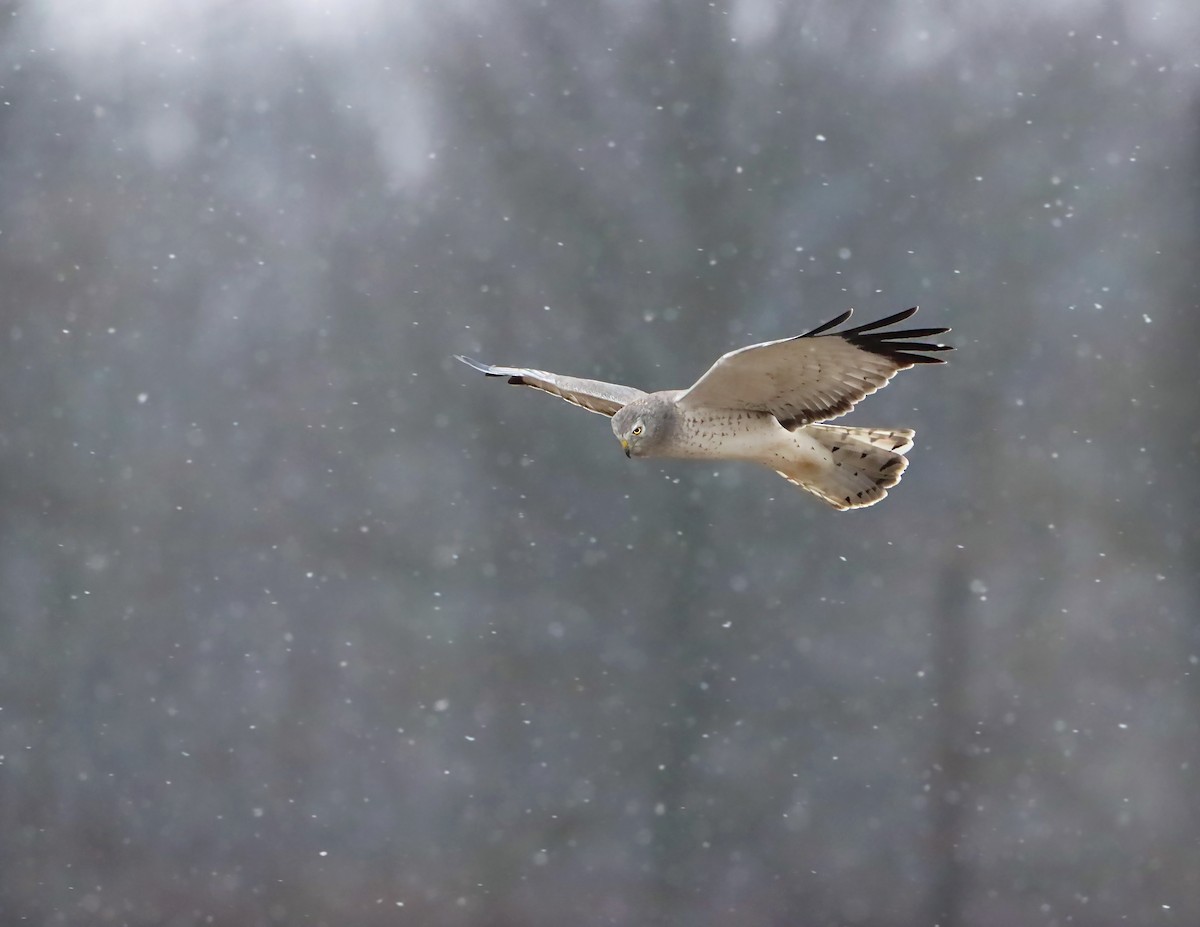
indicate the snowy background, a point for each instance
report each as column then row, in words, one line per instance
column 305, row 623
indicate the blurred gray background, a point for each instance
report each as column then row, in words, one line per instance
column 305, row 623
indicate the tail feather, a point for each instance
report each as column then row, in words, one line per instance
column 860, row 466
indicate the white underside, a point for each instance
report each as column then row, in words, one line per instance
column 756, row 437
column 847, row 466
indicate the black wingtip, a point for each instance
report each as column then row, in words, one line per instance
column 832, row 323
column 890, row 320
column 485, row 369
column 899, row 346
column 903, row 357
column 925, row 332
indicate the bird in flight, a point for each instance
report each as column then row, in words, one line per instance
column 768, row 404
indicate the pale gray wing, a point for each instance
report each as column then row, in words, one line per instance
column 815, row 376
column 593, row 395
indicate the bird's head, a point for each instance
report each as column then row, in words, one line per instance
column 642, row 425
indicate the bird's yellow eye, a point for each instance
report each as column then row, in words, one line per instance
column 637, row 430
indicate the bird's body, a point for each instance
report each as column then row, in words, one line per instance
column 733, row 435
column 765, row 404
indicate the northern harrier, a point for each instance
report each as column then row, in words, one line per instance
column 765, row 403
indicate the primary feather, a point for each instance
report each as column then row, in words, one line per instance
column 593, row 395
column 816, row 376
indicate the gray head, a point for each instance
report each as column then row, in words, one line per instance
column 644, row 426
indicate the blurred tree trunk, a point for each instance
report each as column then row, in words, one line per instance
column 680, row 646
column 950, row 783
column 1178, row 420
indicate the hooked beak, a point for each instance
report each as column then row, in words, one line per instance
column 625, row 446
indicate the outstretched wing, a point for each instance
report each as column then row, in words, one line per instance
column 593, row 395
column 815, row 376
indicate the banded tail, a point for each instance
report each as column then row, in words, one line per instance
column 862, row 464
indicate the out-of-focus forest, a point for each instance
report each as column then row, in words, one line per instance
column 305, row 623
